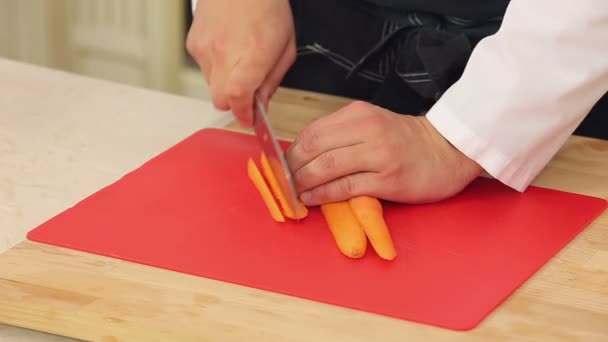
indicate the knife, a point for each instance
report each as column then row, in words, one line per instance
column 273, row 151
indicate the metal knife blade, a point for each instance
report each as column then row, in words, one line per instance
column 273, row 151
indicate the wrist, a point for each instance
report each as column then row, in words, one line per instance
column 469, row 167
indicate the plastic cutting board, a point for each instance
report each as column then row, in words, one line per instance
column 192, row 209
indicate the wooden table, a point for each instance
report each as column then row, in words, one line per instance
column 92, row 132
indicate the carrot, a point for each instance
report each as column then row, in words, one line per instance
column 345, row 228
column 260, row 184
column 300, row 211
column 369, row 213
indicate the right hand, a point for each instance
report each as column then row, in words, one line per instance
column 242, row 46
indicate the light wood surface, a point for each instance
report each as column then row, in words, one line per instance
column 92, row 132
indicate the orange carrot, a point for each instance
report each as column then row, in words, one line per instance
column 260, row 184
column 369, row 213
column 300, row 211
column 345, row 228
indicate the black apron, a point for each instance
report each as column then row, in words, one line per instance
column 476, row 10
column 399, row 54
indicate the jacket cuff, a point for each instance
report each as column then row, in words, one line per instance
column 505, row 169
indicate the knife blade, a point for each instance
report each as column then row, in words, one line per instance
column 273, row 151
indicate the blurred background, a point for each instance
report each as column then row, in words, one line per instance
column 137, row 42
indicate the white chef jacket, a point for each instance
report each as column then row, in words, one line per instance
column 526, row 88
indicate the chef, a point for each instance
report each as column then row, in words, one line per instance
column 451, row 88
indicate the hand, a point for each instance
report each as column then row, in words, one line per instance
column 242, row 46
column 365, row 150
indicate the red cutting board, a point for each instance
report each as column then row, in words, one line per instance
column 192, row 209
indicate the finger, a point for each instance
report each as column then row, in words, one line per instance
column 335, row 164
column 244, row 79
column 195, row 42
column 199, row 51
column 341, row 189
column 344, row 127
column 274, row 79
column 205, row 66
column 203, row 61
column 217, row 86
column 222, row 63
column 323, row 136
column 353, row 111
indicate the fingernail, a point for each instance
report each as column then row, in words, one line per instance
column 306, row 197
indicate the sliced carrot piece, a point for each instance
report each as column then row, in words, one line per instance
column 369, row 213
column 258, row 180
column 300, row 211
column 345, row 228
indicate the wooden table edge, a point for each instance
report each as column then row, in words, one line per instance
column 28, row 244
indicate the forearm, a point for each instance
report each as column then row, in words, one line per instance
column 527, row 88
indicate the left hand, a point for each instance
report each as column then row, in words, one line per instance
column 363, row 149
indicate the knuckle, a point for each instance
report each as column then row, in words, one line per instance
column 327, row 161
column 372, row 117
column 235, row 90
column 349, row 187
column 377, row 121
column 219, row 101
column 359, row 105
column 320, row 194
column 244, row 117
column 299, row 178
column 196, row 46
column 309, row 141
column 291, row 157
column 191, row 45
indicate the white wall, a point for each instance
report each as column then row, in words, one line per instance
column 137, row 42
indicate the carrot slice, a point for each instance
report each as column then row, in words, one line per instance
column 345, row 228
column 369, row 213
column 258, row 180
column 300, row 211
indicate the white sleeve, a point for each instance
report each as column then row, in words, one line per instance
column 526, row 88
column 193, row 6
